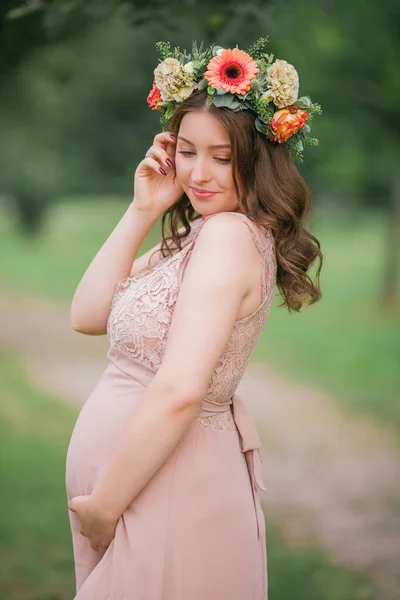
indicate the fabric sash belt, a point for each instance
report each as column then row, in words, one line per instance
column 249, row 444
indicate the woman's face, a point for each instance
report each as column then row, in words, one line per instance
column 200, row 166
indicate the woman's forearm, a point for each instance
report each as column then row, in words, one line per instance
column 156, row 427
column 92, row 299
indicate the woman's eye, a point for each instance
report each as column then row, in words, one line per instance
column 221, row 160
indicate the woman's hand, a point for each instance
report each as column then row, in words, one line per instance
column 99, row 529
column 154, row 191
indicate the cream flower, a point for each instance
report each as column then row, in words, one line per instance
column 283, row 83
column 189, row 67
column 173, row 80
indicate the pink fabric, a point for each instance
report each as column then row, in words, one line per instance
column 197, row 530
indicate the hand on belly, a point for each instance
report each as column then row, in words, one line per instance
column 97, row 527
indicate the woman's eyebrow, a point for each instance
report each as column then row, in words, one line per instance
column 180, row 137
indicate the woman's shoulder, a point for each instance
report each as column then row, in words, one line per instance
column 218, row 222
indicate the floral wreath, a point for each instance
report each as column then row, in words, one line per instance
column 238, row 80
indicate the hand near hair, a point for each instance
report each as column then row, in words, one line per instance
column 156, row 187
column 97, row 527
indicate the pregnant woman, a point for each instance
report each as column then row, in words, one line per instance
column 163, row 469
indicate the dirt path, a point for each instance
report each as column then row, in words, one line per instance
column 331, row 479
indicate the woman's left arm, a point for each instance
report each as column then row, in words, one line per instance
column 216, row 280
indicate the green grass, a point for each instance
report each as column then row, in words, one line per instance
column 345, row 344
column 298, row 573
column 36, row 546
column 35, row 539
column 53, row 263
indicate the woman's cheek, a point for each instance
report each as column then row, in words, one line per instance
column 181, row 171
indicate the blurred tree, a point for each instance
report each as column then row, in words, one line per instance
column 68, row 107
column 74, row 117
column 347, row 55
column 26, row 25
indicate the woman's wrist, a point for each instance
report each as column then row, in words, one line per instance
column 143, row 214
column 102, row 508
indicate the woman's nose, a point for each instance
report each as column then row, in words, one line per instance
column 201, row 171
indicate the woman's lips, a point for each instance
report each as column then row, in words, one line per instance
column 203, row 194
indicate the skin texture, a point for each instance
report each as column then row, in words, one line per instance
column 204, row 167
column 197, row 165
column 223, row 270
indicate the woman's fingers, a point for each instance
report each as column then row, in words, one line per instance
column 163, row 150
column 160, row 156
column 164, row 141
column 154, row 165
column 98, row 547
column 97, row 542
column 159, row 153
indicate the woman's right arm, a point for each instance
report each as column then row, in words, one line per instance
column 155, row 190
column 91, row 303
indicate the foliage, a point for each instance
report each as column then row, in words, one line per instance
column 255, row 99
column 73, row 114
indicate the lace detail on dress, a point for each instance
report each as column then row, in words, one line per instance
column 142, row 310
column 224, row 421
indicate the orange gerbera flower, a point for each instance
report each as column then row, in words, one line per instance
column 232, row 71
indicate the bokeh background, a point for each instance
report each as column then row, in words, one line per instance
column 323, row 384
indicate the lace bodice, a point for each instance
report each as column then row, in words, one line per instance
column 143, row 305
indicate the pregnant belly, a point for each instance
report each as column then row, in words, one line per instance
column 99, row 427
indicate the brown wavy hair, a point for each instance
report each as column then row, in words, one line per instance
column 277, row 197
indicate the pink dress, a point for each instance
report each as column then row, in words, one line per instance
column 196, row 531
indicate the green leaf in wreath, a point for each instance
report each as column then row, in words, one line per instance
column 260, row 125
column 303, row 101
column 226, row 100
column 203, row 83
column 298, row 143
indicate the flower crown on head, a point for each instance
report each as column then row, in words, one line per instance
column 238, row 80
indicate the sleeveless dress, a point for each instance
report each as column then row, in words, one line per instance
column 196, row 531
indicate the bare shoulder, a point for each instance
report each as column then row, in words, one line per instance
column 230, row 231
column 227, row 258
column 224, row 252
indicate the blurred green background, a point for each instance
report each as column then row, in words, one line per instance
column 74, row 122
